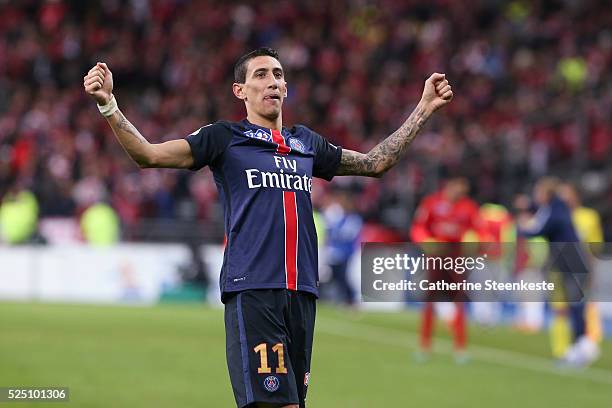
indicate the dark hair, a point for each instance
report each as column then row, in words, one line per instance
column 240, row 68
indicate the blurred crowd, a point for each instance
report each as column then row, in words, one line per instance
column 532, row 83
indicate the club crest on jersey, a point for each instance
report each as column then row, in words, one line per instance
column 259, row 134
column 271, row 383
column 296, row 144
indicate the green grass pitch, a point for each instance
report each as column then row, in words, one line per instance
column 174, row 356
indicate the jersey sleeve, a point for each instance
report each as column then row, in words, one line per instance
column 208, row 144
column 540, row 225
column 327, row 157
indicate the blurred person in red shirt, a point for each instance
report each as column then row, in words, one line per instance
column 447, row 216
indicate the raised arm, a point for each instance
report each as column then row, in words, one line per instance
column 436, row 93
column 172, row 154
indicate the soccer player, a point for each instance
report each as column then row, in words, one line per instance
column 342, row 239
column 553, row 221
column 264, row 172
column 446, row 217
column 588, row 226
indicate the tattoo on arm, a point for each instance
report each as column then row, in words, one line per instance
column 135, row 145
column 357, row 164
column 387, row 153
column 126, row 126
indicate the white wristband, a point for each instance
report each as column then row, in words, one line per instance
column 110, row 108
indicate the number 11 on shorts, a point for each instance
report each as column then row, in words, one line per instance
column 264, row 368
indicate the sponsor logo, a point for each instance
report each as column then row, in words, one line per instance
column 296, row 144
column 286, row 178
column 307, row 379
column 259, row 134
column 282, row 180
column 271, row 383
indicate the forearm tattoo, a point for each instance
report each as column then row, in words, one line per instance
column 126, row 126
column 387, row 153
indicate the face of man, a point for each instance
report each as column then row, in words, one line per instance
column 569, row 194
column 543, row 191
column 540, row 195
column 456, row 188
column 264, row 89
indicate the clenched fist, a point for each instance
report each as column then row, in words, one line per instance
column 437, row 92
column 99, row 83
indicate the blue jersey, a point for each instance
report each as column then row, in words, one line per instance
column 264, row 179
column 554, row 222
column 343, row 232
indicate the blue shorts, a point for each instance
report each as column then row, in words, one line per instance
column 269, row 336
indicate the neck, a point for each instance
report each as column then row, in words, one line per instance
column 450, row 196
column 276, row 123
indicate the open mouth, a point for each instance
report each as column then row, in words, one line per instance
column 277, row 97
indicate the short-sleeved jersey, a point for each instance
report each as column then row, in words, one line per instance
column 440, row 219
column 264, row 179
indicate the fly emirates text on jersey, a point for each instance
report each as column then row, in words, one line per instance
column 285, row 178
